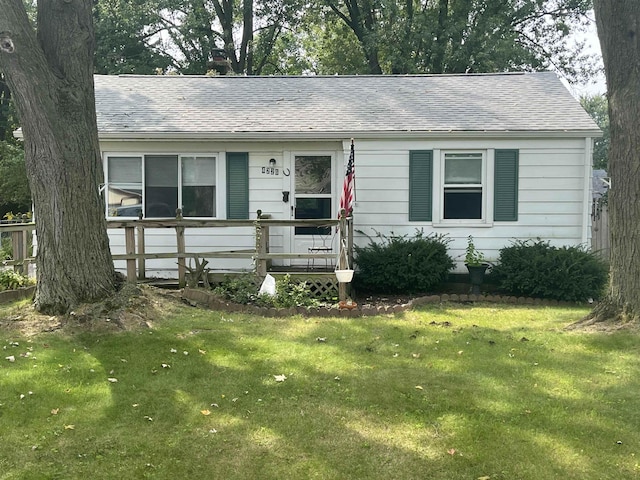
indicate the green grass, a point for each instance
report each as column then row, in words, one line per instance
column 500, row 392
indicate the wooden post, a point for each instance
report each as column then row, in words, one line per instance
column 262, row 241
column 342, row 262
column 19, row 244
column 141, row 249
column 182, row 270
column 130, row 249
column 350, row 240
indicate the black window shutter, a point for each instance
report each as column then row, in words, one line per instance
column 505, row 195
column 238, row 185
column 420, row 185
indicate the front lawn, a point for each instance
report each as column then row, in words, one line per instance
column 444, row 392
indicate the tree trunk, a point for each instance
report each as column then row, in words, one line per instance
column 51, row 78
column 618, row 24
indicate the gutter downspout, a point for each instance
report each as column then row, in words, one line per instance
column 588, row 194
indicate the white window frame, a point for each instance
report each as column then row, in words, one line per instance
column 220, row 206
column 486, row 219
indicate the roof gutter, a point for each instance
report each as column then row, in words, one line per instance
column 311, row 136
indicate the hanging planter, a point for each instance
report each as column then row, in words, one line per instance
column 344, row 275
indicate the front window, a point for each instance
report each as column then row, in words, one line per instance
column 463, row 186
column 169, row 181
column 124, row 194
column 198, row 186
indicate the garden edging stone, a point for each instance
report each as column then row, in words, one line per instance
column 214, row 302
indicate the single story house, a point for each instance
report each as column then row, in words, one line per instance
column 496, row 156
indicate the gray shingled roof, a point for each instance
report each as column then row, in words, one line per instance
column 338, row 106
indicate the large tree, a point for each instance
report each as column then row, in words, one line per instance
column 50, row 74
column 618, row 23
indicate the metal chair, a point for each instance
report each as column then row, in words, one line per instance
column 321, row 244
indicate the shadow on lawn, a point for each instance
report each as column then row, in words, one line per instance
column 524, row 407
column 256, row 427
column 370, row 398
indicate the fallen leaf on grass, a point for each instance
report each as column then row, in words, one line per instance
column 419, row 387
column 451, row 451
column 11, row 358
column 202, row 352
column 112, row 380
column 484, row 478
column 55, row 411
column 69, row 427
column 205, row 412
column 280, row 378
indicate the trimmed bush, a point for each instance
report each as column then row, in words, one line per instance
column 402, row 264
column 536, row 269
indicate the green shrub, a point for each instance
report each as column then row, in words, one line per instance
column 244, row 289
column 536, row 269
column 11, row 280
column 6, row 249
column 402, row 264
column 291, row 294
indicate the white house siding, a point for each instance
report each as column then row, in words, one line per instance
column 552, row 174
column 551, row 192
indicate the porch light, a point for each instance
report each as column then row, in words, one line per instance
column 272, row 162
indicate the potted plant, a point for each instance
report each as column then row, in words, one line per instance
column 476, row 264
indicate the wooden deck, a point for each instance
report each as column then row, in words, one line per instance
column 319, row 268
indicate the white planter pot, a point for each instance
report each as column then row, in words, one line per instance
column 344, row 276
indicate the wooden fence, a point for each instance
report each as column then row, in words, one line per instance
column 20, row 234
column 135, row 255
column 600, row 230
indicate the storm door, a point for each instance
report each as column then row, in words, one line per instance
column 313, row 199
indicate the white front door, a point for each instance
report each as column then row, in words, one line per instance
column 312, row 194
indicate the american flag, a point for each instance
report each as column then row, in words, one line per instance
column 347, row 197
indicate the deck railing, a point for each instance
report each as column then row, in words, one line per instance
column 135, row 255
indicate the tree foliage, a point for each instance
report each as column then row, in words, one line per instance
column 597, row 107
column 15, row 194
column 458, row 36
column 347, row 36
column 194, row 36
column 127, row 37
